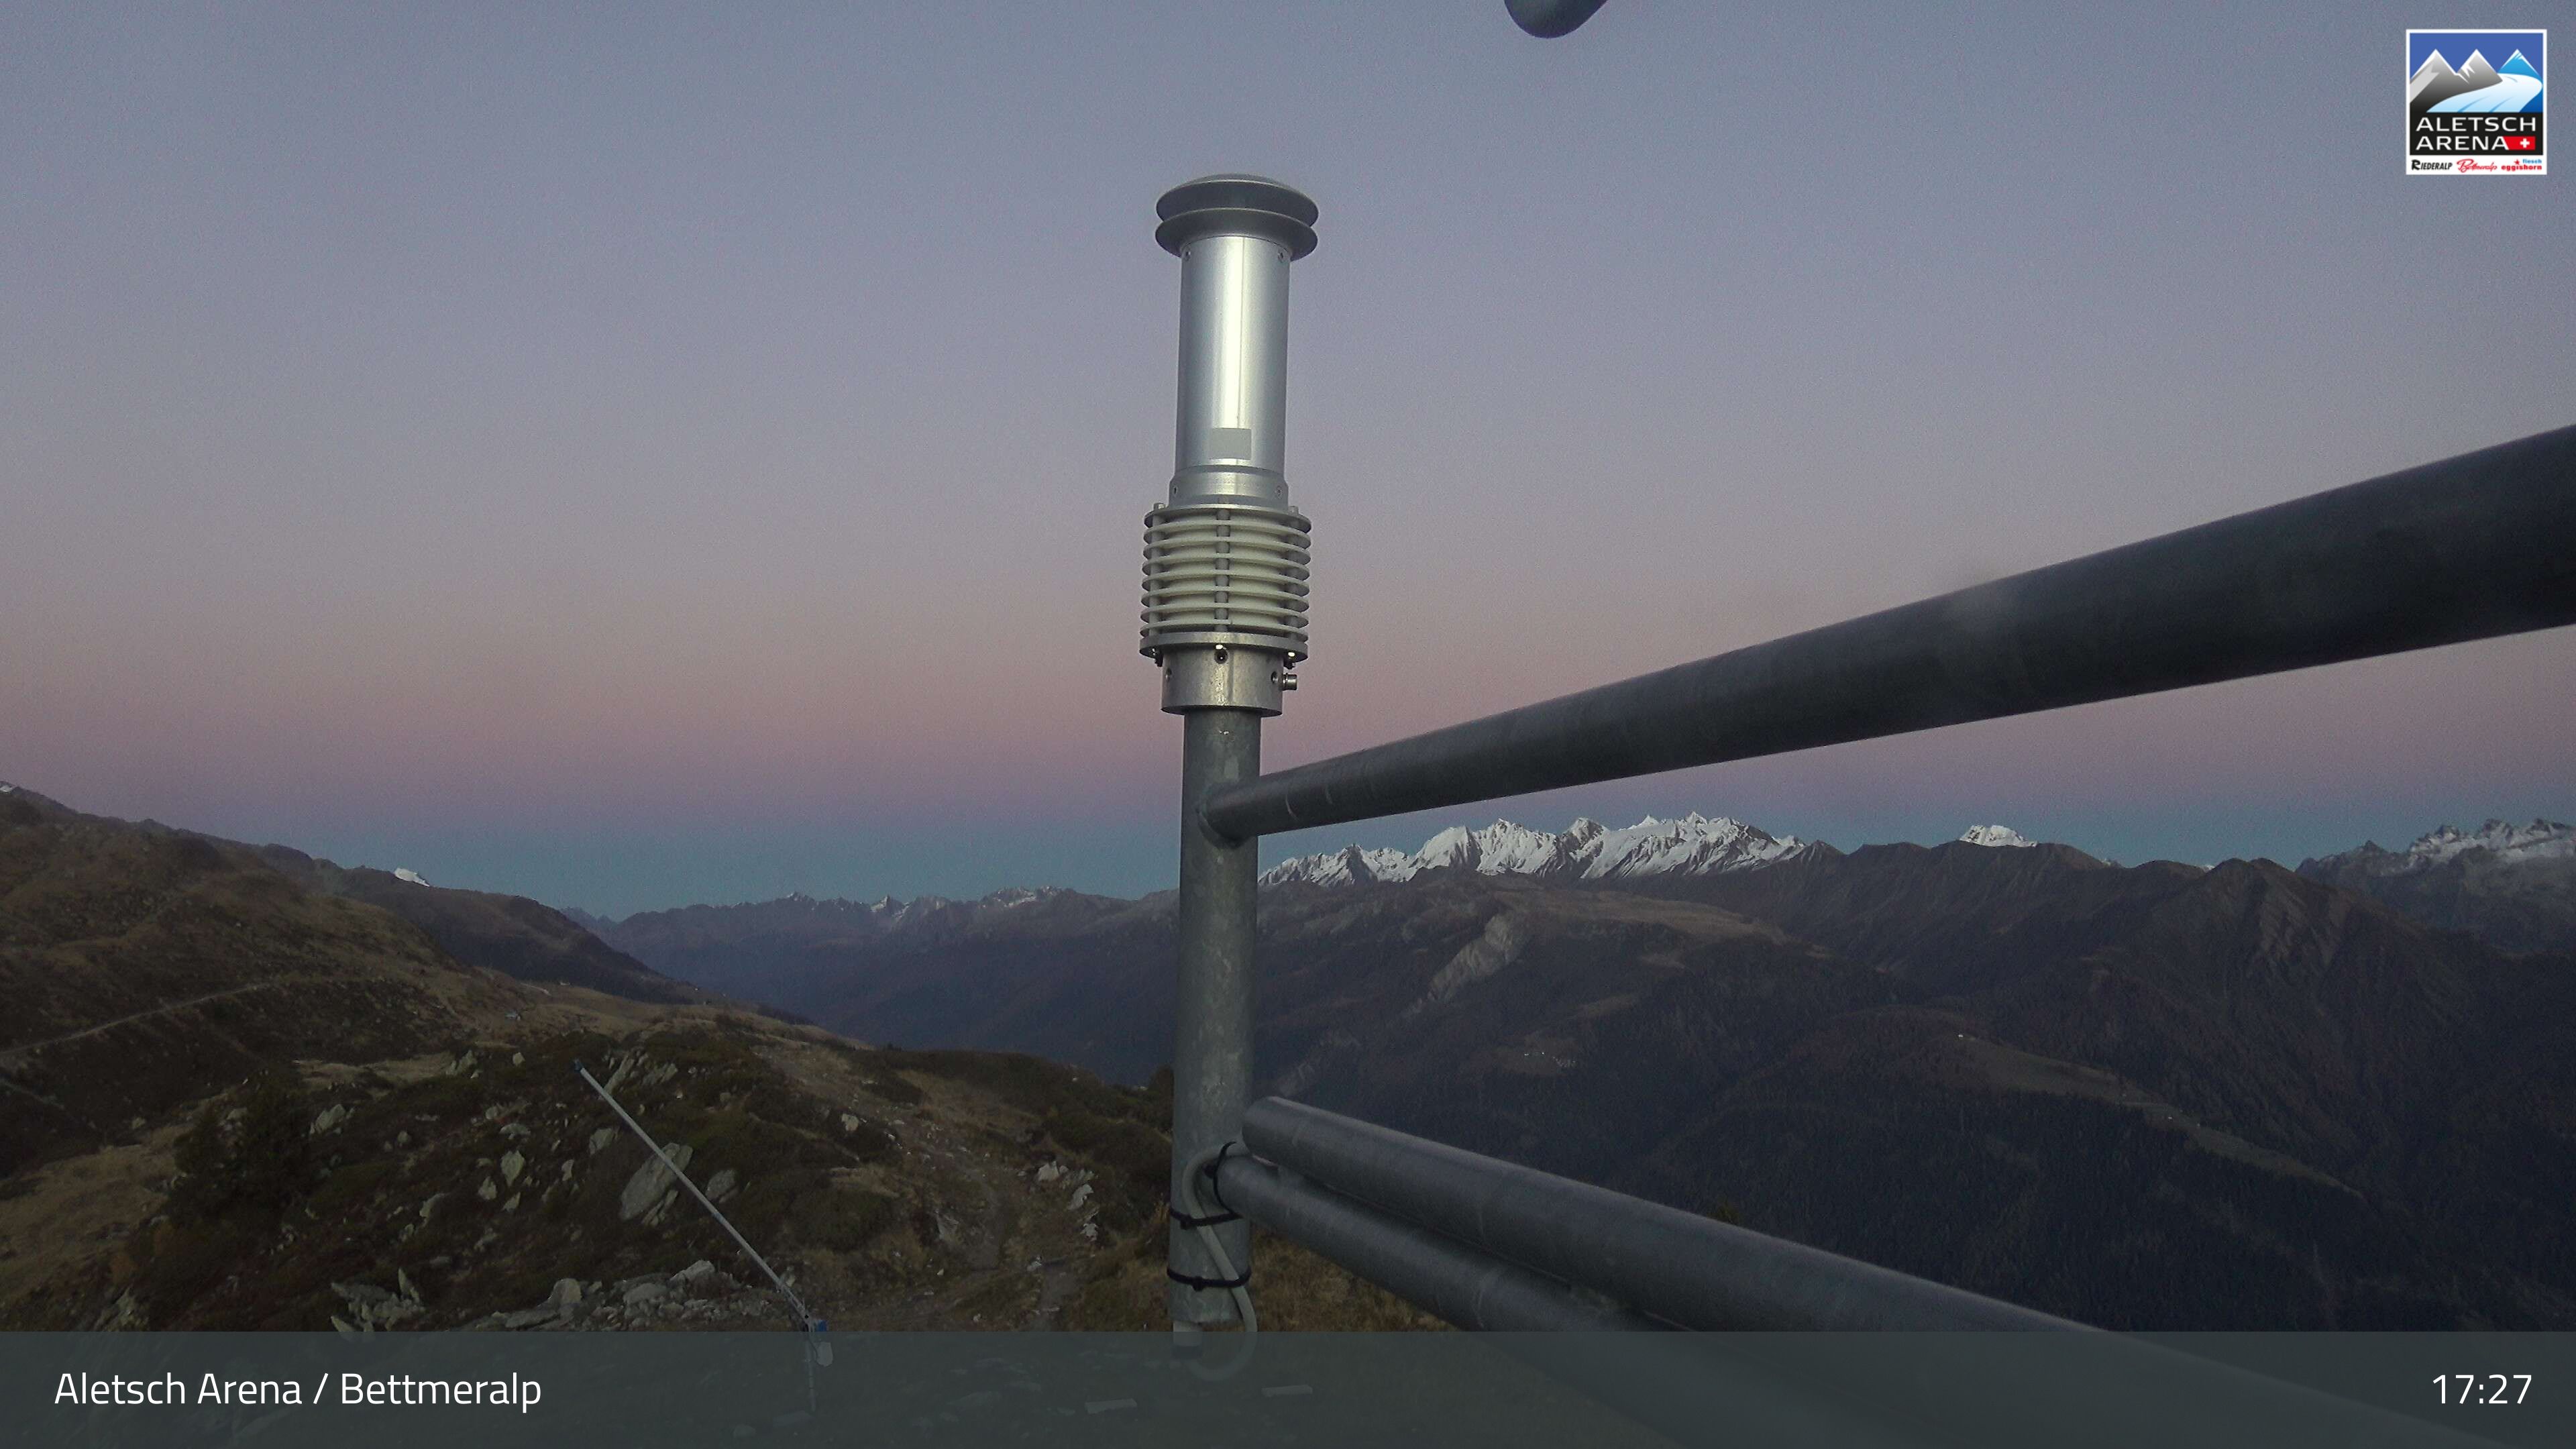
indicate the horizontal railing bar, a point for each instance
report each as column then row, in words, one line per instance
column 2471, row 547
column 1470, row 1289
column 1687, row 1270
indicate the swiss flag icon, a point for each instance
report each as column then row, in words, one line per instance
column 2522, row 143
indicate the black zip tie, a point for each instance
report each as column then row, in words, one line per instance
column 1192, row 1280
column 1209, row 1172
column 1188, row 1221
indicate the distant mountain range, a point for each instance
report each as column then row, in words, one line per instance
column 1585, row 850
column 2165, row 1095
column 2513, row 885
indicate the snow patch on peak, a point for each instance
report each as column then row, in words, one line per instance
column 1693, row 845
column 402, row 873
column 1995, row 835
column 2539, row 839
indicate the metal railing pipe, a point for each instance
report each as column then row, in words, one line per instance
column 2474, row 546
column 1462, row 1286
column 1687, row 1270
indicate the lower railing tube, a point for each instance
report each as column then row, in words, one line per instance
column 1461, row 1285
column 1687, row 1270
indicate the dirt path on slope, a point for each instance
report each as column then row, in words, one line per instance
column 11, row 1058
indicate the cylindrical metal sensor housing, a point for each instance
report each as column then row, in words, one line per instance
column 1225, row 556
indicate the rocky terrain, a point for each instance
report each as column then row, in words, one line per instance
column 233, row 1100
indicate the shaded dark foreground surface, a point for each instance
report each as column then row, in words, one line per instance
column 1408, row 1389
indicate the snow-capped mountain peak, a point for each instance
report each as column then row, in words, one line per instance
column 1693, row 845
column 1996, row 835
column 407, row 874
column 2541, row 838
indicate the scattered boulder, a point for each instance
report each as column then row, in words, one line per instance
column 721, row 1186
column 332, row 1116
column 513, row 1163
column 489, row 1191
column 566, row 1297
column 695, row 1272
column 371, row 1308
column 643, row 1293
column 652, row 1183
column 600, row 1139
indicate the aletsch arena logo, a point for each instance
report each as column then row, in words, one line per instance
column 2473, row 102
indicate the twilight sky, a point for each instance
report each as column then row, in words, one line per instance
column 636, row 455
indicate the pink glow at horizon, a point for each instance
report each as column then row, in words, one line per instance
column 505, row 441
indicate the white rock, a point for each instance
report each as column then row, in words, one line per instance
column 600, row 1139
column 489, row 1190
column 512, row 1164
column 651, row 1182
column 643, row 1293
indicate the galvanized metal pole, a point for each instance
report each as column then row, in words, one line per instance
column 1225, row 616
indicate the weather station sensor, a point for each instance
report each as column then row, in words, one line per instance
column 1225, row 556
